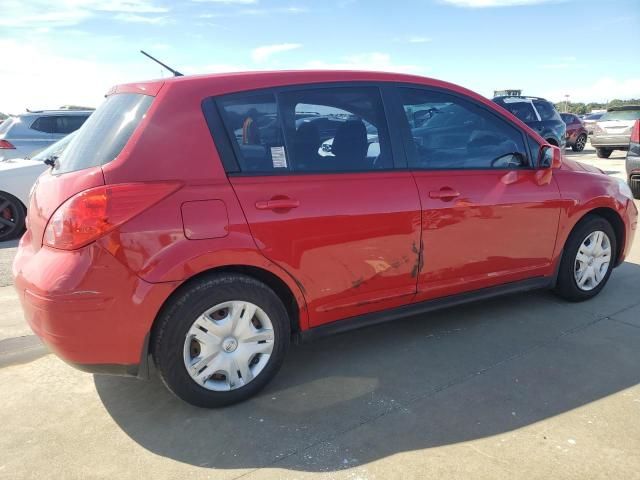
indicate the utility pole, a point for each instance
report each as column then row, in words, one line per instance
column 566, row 103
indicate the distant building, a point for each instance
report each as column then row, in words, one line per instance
column 507, row 93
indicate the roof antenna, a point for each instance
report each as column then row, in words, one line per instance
column 175, row 72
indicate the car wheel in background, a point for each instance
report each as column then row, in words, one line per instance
column 635, row 189
column 220, row 340
column 12, row 217
column 587, row 260
column 581, row 141
column 603, row 152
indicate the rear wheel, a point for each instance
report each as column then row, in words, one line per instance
column 587, row 260
column 12, row 216
column 221, row 340
column 581, row 141
column 603, row 152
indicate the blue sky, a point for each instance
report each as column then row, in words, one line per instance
column 72, row 51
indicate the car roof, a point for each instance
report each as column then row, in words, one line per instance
column 31, row 113
column 623, row 107
column 522, row 97
column 221, row 83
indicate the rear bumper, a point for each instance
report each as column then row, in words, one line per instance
column 610, row 141
column 87, row 307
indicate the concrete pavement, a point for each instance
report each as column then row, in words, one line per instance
column 526, row 386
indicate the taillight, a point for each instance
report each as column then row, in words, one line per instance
column 6, row 145
column 91, row 214
column 635, row 133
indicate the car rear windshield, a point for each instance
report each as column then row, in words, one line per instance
column 105, row 133
column 621, row 115
column 546, row 110
column 5, row 125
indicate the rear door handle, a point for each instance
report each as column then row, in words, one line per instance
column 277, row 204
column 444, row 194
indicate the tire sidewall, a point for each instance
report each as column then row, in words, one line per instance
column 20, row 218
column 176, row 321
column 567, row 285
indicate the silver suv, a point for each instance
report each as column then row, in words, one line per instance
column 26, row 134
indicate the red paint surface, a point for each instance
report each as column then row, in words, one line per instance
column 344, row 244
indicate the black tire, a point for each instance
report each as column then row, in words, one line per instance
column 177, row 317
column 581, row 141
column 566, row 285
column 12, row 217
column 603, row 152
column 635, row 189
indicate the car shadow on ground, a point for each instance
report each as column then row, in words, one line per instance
column 451, row 376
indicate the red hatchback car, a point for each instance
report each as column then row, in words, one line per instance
column 202, row 223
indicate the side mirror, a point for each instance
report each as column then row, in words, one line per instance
column 550, row 156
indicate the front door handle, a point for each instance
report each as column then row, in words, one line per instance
column 445, row 193
column 277, row 204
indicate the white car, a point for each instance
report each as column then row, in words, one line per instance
column 17, row 176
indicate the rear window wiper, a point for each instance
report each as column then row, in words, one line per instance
column 51, row 161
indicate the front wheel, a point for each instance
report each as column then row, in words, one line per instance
column 581, row 141
column 221, row 340
column 603, row 152
column 587, row 260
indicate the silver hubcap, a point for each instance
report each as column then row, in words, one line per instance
column 581, row 142
column 592, row 260
column 228, row 345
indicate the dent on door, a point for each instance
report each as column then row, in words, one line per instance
column 352, row 241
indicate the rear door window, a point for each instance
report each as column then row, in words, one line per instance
column 308, row 130
column 105, row 133
column 336, row 129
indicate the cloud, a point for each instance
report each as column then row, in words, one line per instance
column 27, row 80
column 263, row 53
column 65, row 13
column 229, row 2
column 601, row 90
column 135, row 18
column 418, row 39
column 493, row 3
column 365, row 61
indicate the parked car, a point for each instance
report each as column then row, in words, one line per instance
column 539, row 114
column 207, row 254
column 633, row 160
column 23, row 135
column 613, row 130
column 17, row 177
column 590, row 121
column 576, row 136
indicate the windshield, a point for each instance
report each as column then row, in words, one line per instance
column 55, row 149
column 105, row 133
column 621, row 115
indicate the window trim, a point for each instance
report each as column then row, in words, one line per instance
column 403, row 125
column 228, row 150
